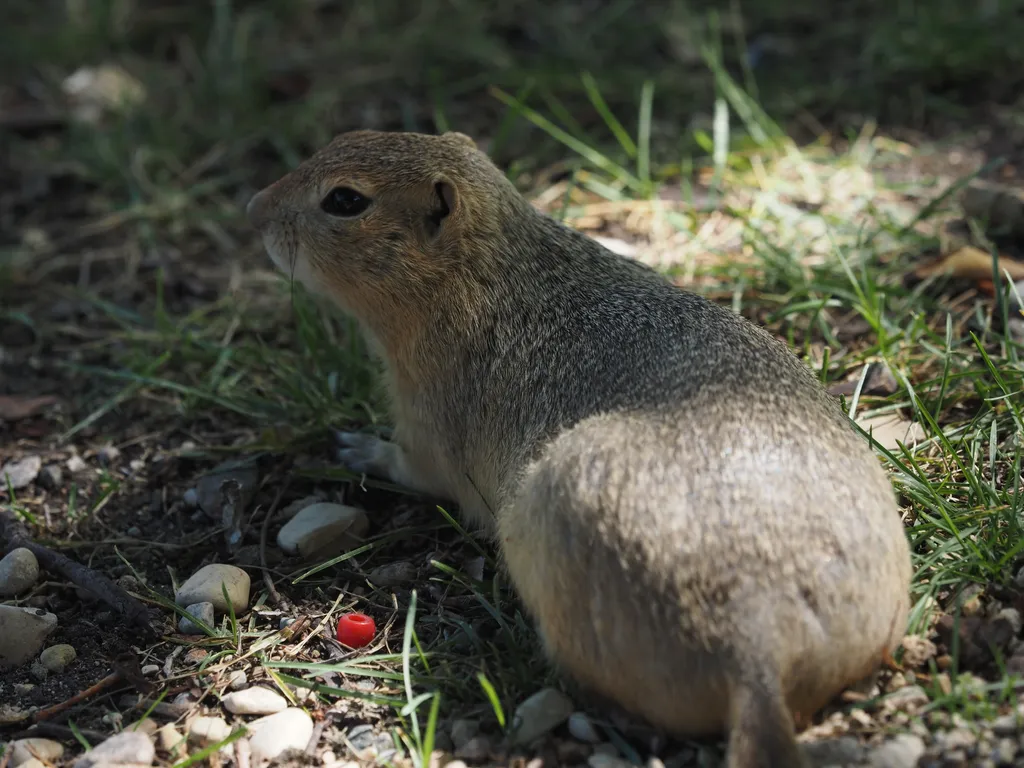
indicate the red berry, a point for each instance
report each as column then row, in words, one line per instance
column 356, row 630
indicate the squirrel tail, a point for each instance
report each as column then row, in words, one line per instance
column 761, row 731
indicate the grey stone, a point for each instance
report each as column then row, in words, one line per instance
column 210, row 492
column 127, row 747
column 1012, row 615
column 1005, row 752
column 22, row 633
column 322, row 527
column 254, row 701
column 539, row 714
column 908, row 698
column 51, row 477
column 840, row 751
column 23, row 750
column 169, row 739
column 208, row 730
column 57, row 658
column 393, row 574
column 108, row 454
column 958, row 738
column 202, row 611
column 476, row 749
column 76, row 464
column 19, row 571
column 601, row 760
column 274, row 734
column 1007, row 725
column 463, row 730
column 582, row 729
column 21, row 473
column 902, row 751
column 204, row 586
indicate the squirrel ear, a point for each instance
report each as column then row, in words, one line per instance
column 461, row 137
column 444, row 203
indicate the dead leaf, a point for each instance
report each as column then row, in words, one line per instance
column 880, row 381
column 973, row 264
column 14, row 407
column 888, row 428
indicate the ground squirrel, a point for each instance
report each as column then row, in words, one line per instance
column 696, row 528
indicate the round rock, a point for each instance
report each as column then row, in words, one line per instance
column 322, row 527
column 393, row 574
column 475, row 749
column 170, row 740
column 132, row 747
column 273, row 735
column 463, row 731
column 542, row 712
column 254, row 701
column 237, row 680
column 24, row 750
column 209, row 491
column 202, row 611
column 208, row 730
column 581, row 729
column 204, row 586
column 22, row 472
column 22, row 633
column 56, row 658
column 19, row 571
column 902, row 751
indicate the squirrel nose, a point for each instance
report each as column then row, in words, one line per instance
column 256, row 210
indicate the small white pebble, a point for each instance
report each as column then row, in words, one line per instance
column 254, row 701
column 23, row 750
column 582, row 729
column 19, row 571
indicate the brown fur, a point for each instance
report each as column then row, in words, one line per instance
column 696, row 528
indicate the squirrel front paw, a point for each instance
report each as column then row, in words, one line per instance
column 370, row 455
column 366, row 454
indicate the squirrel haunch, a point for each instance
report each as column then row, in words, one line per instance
column 695, row 526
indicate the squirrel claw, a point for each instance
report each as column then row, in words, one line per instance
column 356, row 460
column 362, row 453
column 345, row 438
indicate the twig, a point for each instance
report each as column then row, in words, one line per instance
column 889, row 662
column 137, row 615
column 57, row 731
column 45, row 714
column 274, row 594
column 314, row 738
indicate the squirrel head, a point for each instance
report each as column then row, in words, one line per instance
column 380, row 220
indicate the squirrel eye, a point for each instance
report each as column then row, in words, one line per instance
column 342, row 201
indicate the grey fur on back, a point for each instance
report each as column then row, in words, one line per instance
column 587, row 331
